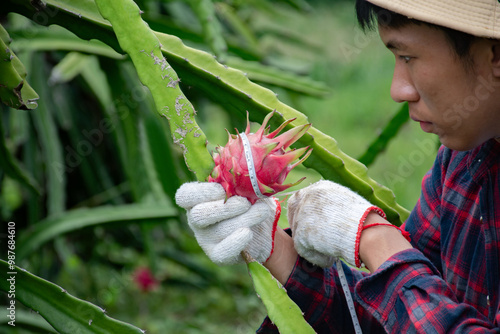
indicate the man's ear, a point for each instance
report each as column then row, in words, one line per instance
column 496, row 59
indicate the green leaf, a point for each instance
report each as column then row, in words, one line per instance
column 211, row 27
column 123, row 110
column 69, row 67
column 48, row 138
column 98, row 83
column 284, row 313
column 258, row 72
column 155, row 136
column 66, row 313
column 143, row 47
column 110, row 125
column 50, row 228
column 299, row 4
column 31, row 161
column 57, row 38
column 243, row 31
column 13, row 168
column 28, row 320
column 390, row 131
column 148, row 159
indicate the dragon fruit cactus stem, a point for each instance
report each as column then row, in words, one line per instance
column 272, row 162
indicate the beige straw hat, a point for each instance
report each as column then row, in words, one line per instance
column 476, row 17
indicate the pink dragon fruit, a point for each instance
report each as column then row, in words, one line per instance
column 272, row 163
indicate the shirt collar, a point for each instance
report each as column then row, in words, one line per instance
column 482, row 158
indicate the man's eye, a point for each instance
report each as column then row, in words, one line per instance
column 406, row 59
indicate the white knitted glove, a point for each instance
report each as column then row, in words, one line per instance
column 326, row 220
column 223, row 230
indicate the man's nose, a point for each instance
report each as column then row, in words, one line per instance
column 402, row 87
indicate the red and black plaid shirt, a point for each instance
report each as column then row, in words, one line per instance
column 449, row 283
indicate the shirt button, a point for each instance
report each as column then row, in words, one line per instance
column 488, row 300
column 481, row 219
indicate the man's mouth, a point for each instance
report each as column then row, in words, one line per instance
column 426, row 126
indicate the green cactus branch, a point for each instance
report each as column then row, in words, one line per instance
column 285, row 314
column 234, row 91
column 143, row 47
column 66, row 313
column 14, row 90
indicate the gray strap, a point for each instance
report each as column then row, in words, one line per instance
column 348, row 297
column 251, row 165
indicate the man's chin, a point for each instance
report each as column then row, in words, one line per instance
column 459, row 144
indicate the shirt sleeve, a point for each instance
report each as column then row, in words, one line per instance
column 407, row 295
column 318, row 293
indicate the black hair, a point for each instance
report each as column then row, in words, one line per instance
column 370, row 15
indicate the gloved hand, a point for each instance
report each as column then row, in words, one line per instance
column 326, row 221
column 223, row 230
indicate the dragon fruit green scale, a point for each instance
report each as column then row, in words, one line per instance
column 272, row 161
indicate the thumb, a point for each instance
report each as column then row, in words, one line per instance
column 192, row 193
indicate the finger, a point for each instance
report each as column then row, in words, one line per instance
column 206, row 214
column 255, row 219
column 259, row 212
column 192, row 193
column 294, row 204
column 295, row 213
column 305, row 209
column 228, row 250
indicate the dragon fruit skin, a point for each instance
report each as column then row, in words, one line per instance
column 271, row 160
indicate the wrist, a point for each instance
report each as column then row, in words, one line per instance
column 380, row 241
column 371, row 216
column 283, row 258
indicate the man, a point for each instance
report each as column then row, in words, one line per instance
column 447, row 278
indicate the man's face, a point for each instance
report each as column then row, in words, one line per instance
column 460, row 105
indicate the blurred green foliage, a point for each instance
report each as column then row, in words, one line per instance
column 96, row 143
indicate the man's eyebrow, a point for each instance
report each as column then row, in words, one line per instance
column 395, row 45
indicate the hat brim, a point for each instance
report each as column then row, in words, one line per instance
column 479, row 18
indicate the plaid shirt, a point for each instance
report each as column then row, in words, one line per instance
column 448, row 283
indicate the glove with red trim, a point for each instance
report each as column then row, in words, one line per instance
column 326, row 221
column 223, row 228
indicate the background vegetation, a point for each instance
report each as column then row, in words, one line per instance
column 95, row 142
